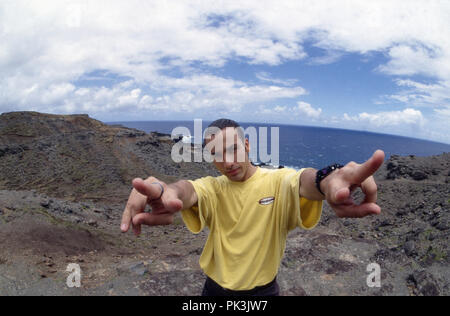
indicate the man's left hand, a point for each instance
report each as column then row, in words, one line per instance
column 340, row 184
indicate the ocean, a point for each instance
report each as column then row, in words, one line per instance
column 304, row 146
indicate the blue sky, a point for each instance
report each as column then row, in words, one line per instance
column 381, row 66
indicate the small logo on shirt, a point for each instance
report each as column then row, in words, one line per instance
column 267, row 201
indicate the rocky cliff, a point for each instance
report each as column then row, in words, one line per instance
column 78, row 158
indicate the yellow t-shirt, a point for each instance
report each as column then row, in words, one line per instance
column 248, row 222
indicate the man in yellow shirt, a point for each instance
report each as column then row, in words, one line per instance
column 249, row 210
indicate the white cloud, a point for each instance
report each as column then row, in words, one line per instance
column 304, row 108
column 329, row 58
column 393, row 118
column 430, row 95
column 55, row 92
column 418, row 59
column 409, row 122
column 206, row 92
column 178, row 95
column 277, row 110
column 47, row 46
column 444, row 112
column 131, row 99
column 266, row 77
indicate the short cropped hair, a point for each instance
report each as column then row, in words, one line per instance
column 222, row 124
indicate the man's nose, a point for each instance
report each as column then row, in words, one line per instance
column 228, row 162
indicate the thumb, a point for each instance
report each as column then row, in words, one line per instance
column 338, row 192
column 150, row 219
column 341, row 195
column 169, row 201
column 173, row 205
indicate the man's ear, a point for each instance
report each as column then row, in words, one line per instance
column 247, row 146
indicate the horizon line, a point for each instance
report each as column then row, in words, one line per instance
column 292, row 125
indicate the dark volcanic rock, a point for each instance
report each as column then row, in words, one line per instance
column 419, row 175
column 13, row 150
column 417, row 168
column 409, row 248
column 424, row 283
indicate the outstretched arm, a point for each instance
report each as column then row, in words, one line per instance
column 339, row 185
column 176, row 197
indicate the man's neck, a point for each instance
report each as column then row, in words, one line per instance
column 250, row 172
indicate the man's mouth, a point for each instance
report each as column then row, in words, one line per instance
column 233, row 172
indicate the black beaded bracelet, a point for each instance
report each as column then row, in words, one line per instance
column 323, row 173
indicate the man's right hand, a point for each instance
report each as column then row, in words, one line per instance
column 148, row 193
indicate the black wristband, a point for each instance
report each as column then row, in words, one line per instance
column 323, row 173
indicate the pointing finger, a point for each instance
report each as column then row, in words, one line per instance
column 126, row 220
column 365, row 170
column 174, row 205
column 136, row 204
column 152, row 191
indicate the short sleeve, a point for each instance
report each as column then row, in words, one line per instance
column 200, row 215
column 298, row 211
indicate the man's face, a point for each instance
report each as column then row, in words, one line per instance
column 230, row 154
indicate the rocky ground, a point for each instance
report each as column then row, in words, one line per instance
column 64, row 182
